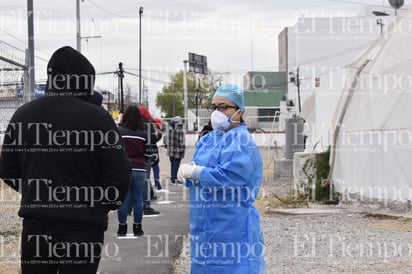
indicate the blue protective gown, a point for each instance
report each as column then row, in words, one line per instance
column 224, row 225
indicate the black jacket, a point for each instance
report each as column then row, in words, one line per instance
column 153, row 136
column 69, row 156
column 66, row 157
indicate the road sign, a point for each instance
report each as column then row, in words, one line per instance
column 197, row 63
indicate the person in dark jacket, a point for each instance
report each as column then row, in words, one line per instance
column 96, row 99
column 153, row 137
column 155, row 164
column 206, row 129
column 65, row 156
column 175, row 144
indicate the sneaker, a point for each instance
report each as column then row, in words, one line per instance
column 137, row 230
column 122, row 231
column 150, row 211
column 176, row 182
column 162, row 190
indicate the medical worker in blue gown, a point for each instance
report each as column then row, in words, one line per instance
column 224, row 178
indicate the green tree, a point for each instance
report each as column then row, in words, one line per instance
column 170, row 99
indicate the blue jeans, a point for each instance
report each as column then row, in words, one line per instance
column 148, row 191
column 156, row 175
column 174, row 167
column 134, row 195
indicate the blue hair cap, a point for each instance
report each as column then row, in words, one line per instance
column 233, row 93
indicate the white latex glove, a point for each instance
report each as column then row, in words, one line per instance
column 185, row 171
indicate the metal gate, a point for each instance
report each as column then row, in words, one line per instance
column 13, row 73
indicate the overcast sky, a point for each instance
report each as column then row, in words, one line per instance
column 236, row 35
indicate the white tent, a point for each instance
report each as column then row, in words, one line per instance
column 372, row 152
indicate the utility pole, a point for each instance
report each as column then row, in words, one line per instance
column 78, row 35
column 185, row 93
column 295, row 78
column 380, row 23
column 108, row 101
column 30, row 53
column 140, row 54
column 120, row 74
column 174, row 100
column 198, row 101
column 298, row 87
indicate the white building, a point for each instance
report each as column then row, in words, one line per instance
column 363, row 84
column 315, row 52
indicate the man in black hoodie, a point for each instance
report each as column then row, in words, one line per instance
column 65, row 156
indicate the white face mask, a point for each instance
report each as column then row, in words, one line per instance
column 220, row 121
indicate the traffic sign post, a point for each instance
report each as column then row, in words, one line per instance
column 197, row 63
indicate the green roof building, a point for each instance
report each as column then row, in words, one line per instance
column 263, row 93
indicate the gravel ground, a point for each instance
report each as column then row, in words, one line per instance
column 10, row 227
column 341, row 242
column 337, row 243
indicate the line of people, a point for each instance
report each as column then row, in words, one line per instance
column 140, row 134
column 67, row 193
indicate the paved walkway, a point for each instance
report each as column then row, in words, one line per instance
column 156, row 251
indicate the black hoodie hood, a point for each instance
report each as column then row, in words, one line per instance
column 69, row 73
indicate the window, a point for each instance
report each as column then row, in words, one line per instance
column 267, row 114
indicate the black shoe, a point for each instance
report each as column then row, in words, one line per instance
column 150, row 211
column 137, row 230
column 153, row 198
column 122, row 231
column 176, row 182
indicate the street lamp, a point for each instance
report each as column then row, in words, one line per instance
column 140, row 54
column 120, row 74
column 198, row 101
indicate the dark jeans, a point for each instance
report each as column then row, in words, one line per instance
column 63, row 248
column 134, row 197
column 174, row 167
column 156, row 175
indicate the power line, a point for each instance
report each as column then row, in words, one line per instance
column 149, row 79
column 168, row 18
column 149, row 70
column 353, row 3
column 10, row 45
column 15, row 37
column 16, row 48
column 110, row 12
column 135, row 75
column 215, row 22
column 90, row 15
column 25, row 44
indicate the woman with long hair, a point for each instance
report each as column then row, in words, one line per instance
column 134, row 136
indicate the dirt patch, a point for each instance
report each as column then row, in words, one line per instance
column 393, row 225
column 270, row 198
column 9, row 252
